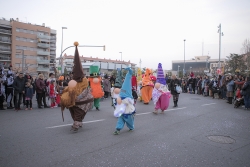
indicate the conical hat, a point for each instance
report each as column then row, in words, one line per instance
column 77, row 68
column 160, row 75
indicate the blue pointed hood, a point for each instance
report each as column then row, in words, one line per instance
column 126, row 90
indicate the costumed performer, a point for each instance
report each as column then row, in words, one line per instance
column 95, row 82
column 125, row 109
column 147, row 87
column 77, row 96
column 160, row 95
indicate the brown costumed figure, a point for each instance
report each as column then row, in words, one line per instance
column 77, row 96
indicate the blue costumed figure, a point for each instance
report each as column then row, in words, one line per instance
column 125, row 109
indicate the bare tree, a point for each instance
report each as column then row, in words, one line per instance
column 246, row 47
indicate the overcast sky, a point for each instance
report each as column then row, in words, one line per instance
column 150, row 30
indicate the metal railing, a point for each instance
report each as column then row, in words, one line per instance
column 5, row 49
column 43, row 45
column 43, row 36
column 43, row 53
column 43, row 69
column 42, row 61
column 5, row 39
column 5, row 31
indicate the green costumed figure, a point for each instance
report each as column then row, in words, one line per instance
column 95, row 82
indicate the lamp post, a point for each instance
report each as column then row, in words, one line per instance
column 184, row 71
column 121, row 55
column 220, row 34
column 178, row 72
column 190, row 69
column 61, row 50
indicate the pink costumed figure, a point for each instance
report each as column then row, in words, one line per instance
column 160, row 94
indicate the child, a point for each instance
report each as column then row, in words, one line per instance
column 28, row 95
column 60, row 91
column 238, row 95
column 206, row 89
column 125, row 106
column 52, row 93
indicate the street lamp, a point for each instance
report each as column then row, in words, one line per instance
column 62, row 50
column 220, row 34
column 184, row 71
column 190, row 69
column 121, row 55
column 178, row 71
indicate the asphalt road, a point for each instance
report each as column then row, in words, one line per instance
column 200, row 132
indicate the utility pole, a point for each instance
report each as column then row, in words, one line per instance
column 184, row 71
column 140, row 63
column 220, row 34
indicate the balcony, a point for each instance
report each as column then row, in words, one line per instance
column 52, row 48
column 42, row 61
column 43, row 45
column 44, row 53
column 5, row 40
column 3, row 31
column 52, row 52
column 4, row 57
column 40, row 36
column 5, row 50
column 46, row 69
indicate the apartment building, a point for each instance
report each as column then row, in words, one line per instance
column 27, row 47
column 106, row 65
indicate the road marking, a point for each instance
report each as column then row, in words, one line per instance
column 71, row 124
column 208, row 104
column 164, row 111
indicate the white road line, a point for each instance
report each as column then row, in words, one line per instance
column 208, row 104
column 71, row 124
column 165, row 110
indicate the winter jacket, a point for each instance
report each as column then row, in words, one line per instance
column 40, row 86
column 230, row 86
column 246, row 87
column 29, row 92
column 172, row 86
column 19, row 85
column 106, row 85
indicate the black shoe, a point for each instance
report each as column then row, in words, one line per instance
column 10, row 107
column 2, row 109
column 40, row 107
column 46, row 107
column 97, row 109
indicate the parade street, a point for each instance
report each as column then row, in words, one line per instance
column 200, row 132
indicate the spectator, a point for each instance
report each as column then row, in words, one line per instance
column 19, row 87
column 246, row 89
column 28, row 95
column 230, row 90
column 106, row 86
column 172, row 86
column 112, row 80
column 41, row 91
column 9, row 91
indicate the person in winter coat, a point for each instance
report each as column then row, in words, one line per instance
column 106, row 87
column 246, row 89
column 19, row 88
column 28, row 95
column 41, row 91
column 172, row 86
column 230, row 89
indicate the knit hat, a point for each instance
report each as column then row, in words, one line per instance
column 160, row 75
column 126, row 90
column 94, row 71
column 77, row 68
column 118, row 80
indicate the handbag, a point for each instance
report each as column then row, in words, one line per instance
column 178, row 89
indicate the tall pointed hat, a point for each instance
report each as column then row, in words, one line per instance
column 126, row 90
column 160, row 75
column 118, row 80
column 78, row 74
